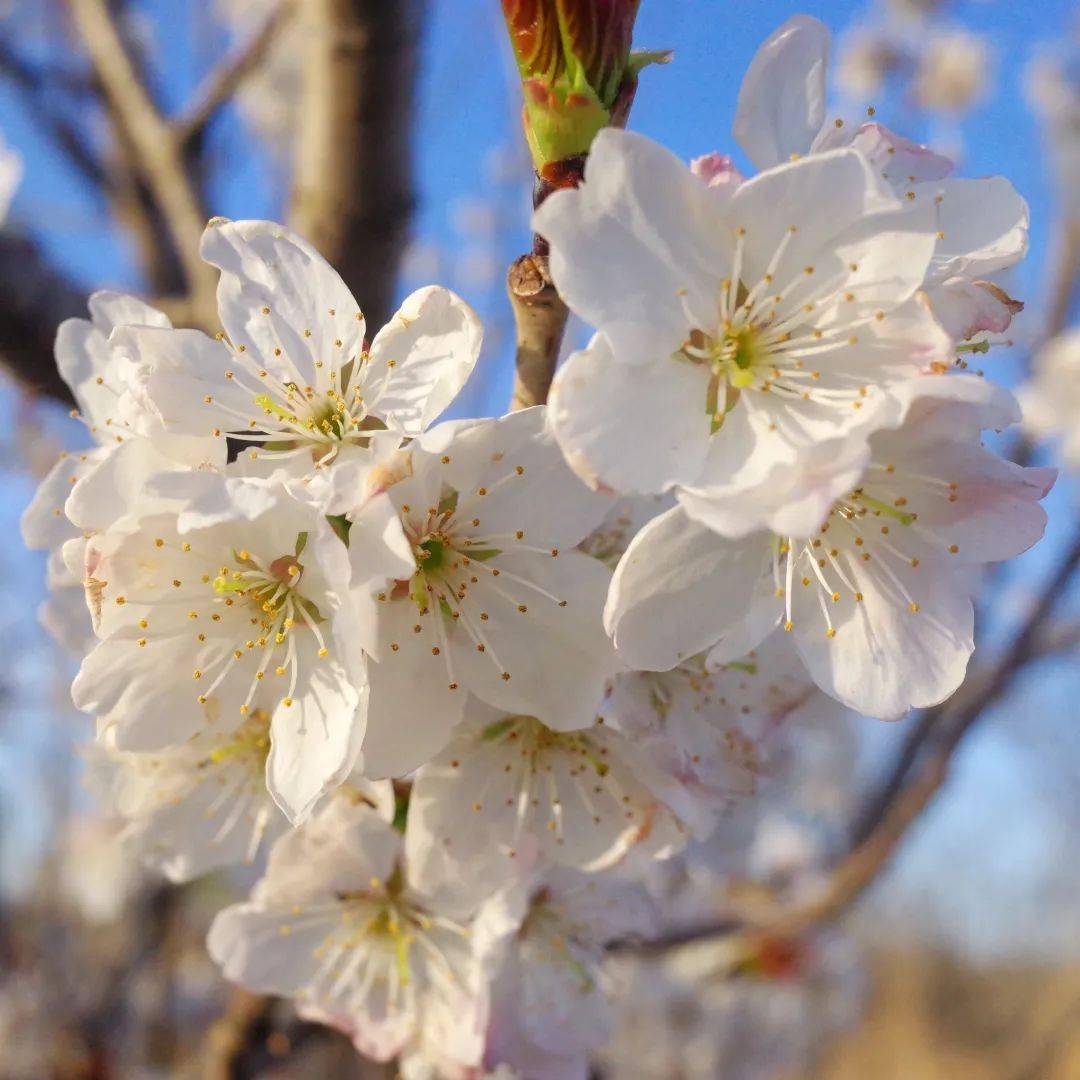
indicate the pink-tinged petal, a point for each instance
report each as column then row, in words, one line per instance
column 782, row 98
column 899, row 160
column 966, row 308
column 717, row 171
column 600, row 409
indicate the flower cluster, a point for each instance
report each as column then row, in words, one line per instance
column 460, row 687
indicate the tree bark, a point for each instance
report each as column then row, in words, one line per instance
column 353, row 173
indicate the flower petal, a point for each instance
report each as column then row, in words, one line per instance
column 637, row 250
column 782, row 98
column 421, row 359
column 635, row 430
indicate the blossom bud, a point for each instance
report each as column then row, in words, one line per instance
column 577, row 71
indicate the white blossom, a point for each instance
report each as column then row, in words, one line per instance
column 494, row 598
column 879, row 595
column 336, row 924
column 239, row 602
column 541, row 941
column 980, row 225
column 291, row 373
column 737, row 331
column 507, row 787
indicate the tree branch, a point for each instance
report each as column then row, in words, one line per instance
column 540, row 321
column 353, row 179
column 222, row 83
column 152, row 143
column 34, row 299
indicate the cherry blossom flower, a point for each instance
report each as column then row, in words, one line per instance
column 981, row 225
column 291, row 373
column 737, row 330
column 203, row 804
column 878, row 596
column 495, row 598
column 92, row 489
column 238, row 603
column 541, row 941
column 509, row 787
column 1051, row 400
column 336, row 924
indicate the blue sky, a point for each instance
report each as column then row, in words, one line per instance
column 468, row 157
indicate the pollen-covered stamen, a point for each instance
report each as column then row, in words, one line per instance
column 557, row 781
column 765, row 341
column 286, row 414
column 378, row 939
column 873, row 531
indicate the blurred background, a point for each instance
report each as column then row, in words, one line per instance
column 962, row 959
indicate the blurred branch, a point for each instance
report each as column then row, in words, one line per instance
column 944, row 728
column 1064, row 277
column 32, row 82
column 34, row 299
column 540, row 321
column 353, row 184
column 149, row 141
column 220, row 85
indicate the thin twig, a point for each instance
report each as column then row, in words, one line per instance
column 864, row 862
column 151, row 140
column 223, row 82
column 539, row 321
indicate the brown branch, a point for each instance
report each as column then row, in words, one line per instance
column 223, row 82
column 353, row 177
column 540, row 321
column 950, row 722
column 152, row 143
column 34, row 299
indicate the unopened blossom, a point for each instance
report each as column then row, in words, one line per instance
column 291, row 373
column 237, row 604
column 495, row 600
column 737, row 330
column 541, row 941
column 980, row 225
column 336, row 924
column 507, row 787
column 1051, row 400
column 879, row 596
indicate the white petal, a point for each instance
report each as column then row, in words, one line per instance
column 884, row 658
column 637, row 250
column 782, row 98
column 315, row 741
column 421, row 359
column 528, row 485
column 311, row 314
column 44, row 523
column 109, row 310
column 411, row 709
column 680, row 589
column 630, row 429
column 966, row 308
column 549, row 636
column 984, row 225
